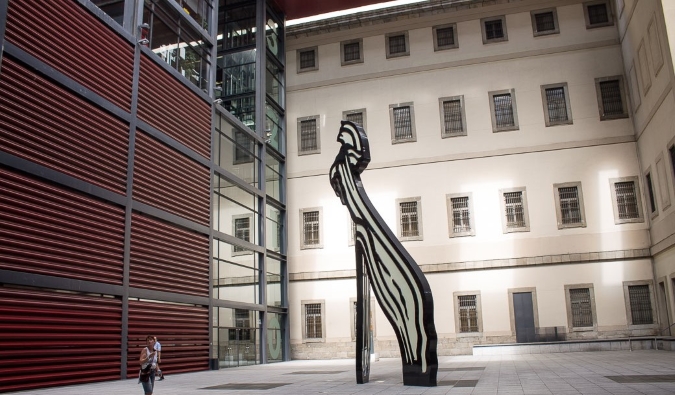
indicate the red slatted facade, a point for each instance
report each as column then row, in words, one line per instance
column 182, row 330
column 171, row 107
column 49, row 339
column 168, row 180
column 47, row 124
column 67, row 37
column 177, row 259
column 49, row 230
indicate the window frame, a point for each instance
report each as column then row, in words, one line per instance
column 493, row 115
column 479, row 313
column 455, row 43
column 650, row 190
column 451, row 223
column 526, row 213
column 556, row 26
column 505, row 37
column 568, row 107
column 359, row 110
column 298, row 53
column 344, row 62
column 388, row 36
column 652, row 300
column 610, row 15
column 251, row 228
column 558, row 212
column 570, row 314
column 615, row 203
column 655, row 45
column 412, row 123
column 622, row 92
column 303, row 245
column 445, row 134
column 420, row 233
column 317, row 119
column 303, row 308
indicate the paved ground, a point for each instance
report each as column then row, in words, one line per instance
column 601, row 372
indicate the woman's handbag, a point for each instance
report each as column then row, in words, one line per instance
column 144, row 373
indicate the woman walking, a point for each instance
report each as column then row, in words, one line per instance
column 148, row 361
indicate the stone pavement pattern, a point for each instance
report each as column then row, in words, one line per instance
column 591, row 373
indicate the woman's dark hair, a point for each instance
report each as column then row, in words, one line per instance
column 149, row 337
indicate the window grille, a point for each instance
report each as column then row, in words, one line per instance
column 494, row 29
column 445, row 37
column 611, row 97
column 242, row 230
column 452, row 116
column 242, row 319
column 460, row 214
column 650, row 192
column 308, row 141
column 313, row 321
column 569, row 205
column 352, row 52
column 640, row 305
column 307, row 59
column 397, row 44
column 545, row 21
column 409, row 219
column 582, row 312
column 597, row 14
column 402, row 123
column 504, row 110
column 626, row 200
column 468, row 313
column 556, row 104
column 310, row 232
column 515, row 213
column 356, row 117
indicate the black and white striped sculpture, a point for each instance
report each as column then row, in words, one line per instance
column 399, row 285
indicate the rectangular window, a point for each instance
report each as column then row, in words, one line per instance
column 515, row 216
column 356, row 116
column 626, row 200
column 310, row 228
column 313, row 313
column 410, row 219
column 468, row 314
column 503, row 110
column 640, row 305
column 351, row 51
column 245, row 145
column 308, row 135
column 460, row 217
column 494, row 29
column 402, row 119
column 544, row 22
column 557, row 110
column 569, row 205
column 653, row 209
column 580, row 303
column 610, row 93
column 453, row 118
column 597, row 14
column 307, row 59
column 397, row 44
column 445, row 37
column 242, row 230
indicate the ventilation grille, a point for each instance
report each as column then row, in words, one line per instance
column 68, row 38
column 51, row 339
column 46, row 124
column 51, row 231
column 177, row 259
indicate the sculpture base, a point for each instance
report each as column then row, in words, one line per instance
column 413, row 375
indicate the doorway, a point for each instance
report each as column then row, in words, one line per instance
column 523, row 313
column 237, row 344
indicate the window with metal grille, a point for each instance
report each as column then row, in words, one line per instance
column 452, row 117
column 503, row 107
column 582, row 310
column 242, row 230
column 515, row 213
column 468, row 313
column 570, row 212
column 313, row 321
column 308, row 138
column 640, row 305
column 403, row 128
column 397, row 44
column 494, row 29
column 650, row 192
column 307, row 59
column 356, row 117
column 310, row 226
column 461, row 220
column 409, row 222
column 352, row 51
column 445, row 37
column 612, row 103
column 626, row 200
column 242, row 319
column 545, row 21
column 556, row 105
column 597, row 14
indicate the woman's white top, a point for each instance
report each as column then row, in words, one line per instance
column 153, row 361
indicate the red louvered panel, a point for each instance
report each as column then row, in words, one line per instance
column 168, row 180
column 49, row 125
column 169, row 106
column 182, row 330
column 177, row 258
column 68, row 38
column 49, row 339
column 52, row 231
